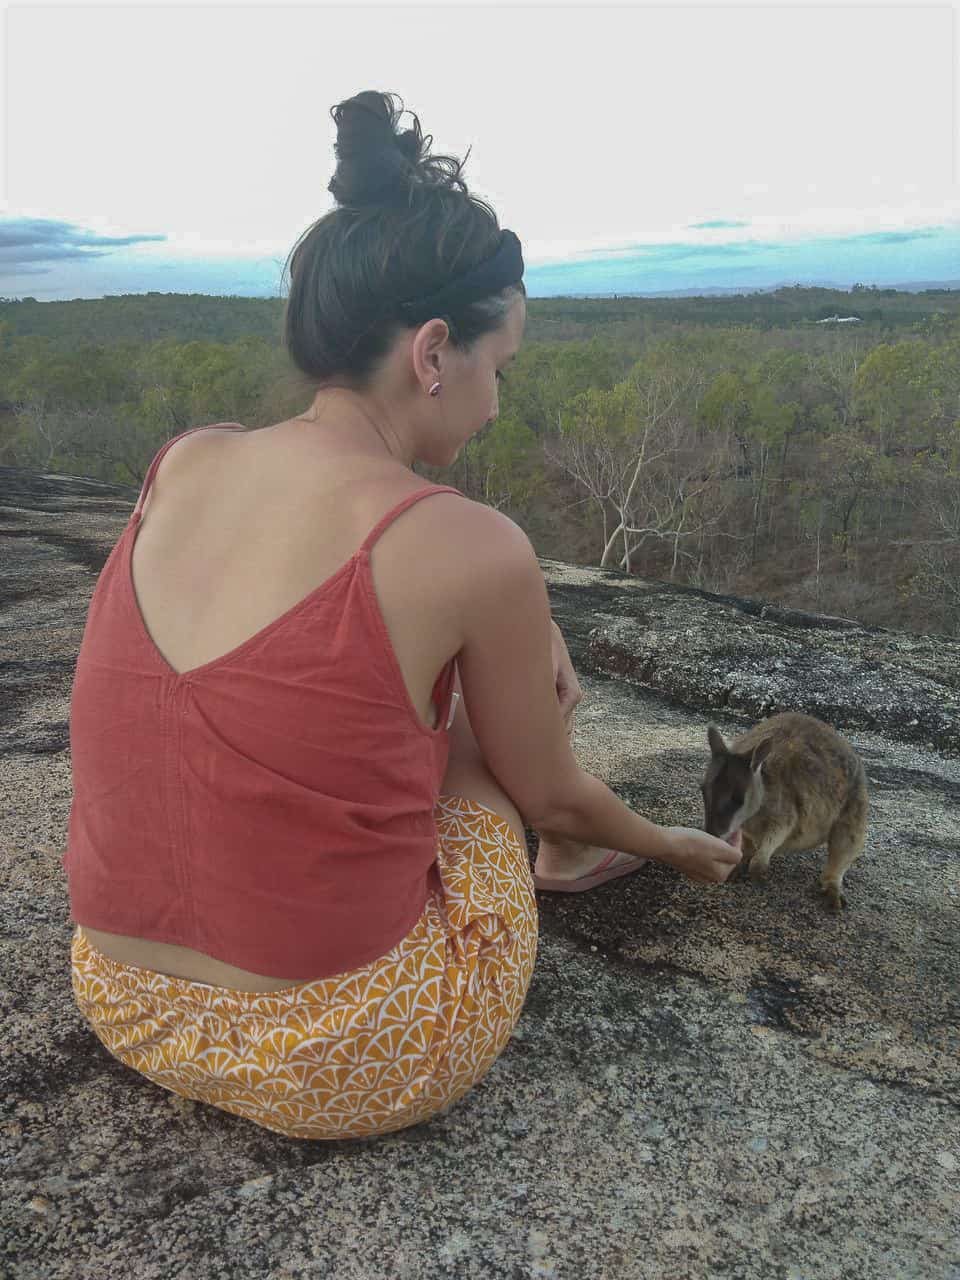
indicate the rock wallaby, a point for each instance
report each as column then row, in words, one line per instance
column 791, row 782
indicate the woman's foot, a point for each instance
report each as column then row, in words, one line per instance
column 558, row 861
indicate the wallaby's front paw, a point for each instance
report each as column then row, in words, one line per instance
column 758, row 871
column 736, row 873
column 835, row 899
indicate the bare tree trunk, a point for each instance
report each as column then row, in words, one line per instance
column 758, row 502
column 677, row 535
column 819, row 527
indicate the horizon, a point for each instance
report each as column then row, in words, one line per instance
column 855, row 290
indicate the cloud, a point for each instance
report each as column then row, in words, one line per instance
column 898, row 237
column 676, row 251
column 703, row 226
column 27, row 244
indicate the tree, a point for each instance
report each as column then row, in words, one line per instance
column 935, row 495
column 891, row 397
column 610, row 442
column 854, row 470
column 746, row 406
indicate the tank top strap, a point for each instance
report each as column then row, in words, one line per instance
column 401, row 506
column 158, row 457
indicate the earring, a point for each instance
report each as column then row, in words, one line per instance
column 435, row 389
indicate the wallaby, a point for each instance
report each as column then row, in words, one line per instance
column 791, row 782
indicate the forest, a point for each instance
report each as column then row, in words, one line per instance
column 750, row 444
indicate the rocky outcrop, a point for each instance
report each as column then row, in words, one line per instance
column 723, row 1082
column 751, row 658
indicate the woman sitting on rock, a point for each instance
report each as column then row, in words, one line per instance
column 297, row 865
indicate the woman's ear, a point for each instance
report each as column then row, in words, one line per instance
column 431, row 346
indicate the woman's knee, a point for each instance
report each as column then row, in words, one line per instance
column 467, row 773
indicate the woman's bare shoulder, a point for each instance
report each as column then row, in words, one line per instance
column 479, row 533
column 460, row 558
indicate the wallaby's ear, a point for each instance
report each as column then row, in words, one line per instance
column 717, row 745
column 760, row 753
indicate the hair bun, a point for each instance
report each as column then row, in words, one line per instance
column 410, row 143
column 376, row 163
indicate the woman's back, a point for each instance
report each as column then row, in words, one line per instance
column 238, row 528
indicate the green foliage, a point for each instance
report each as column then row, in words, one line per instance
column 727, row 404
column 735, row 427
column 594, row 414
column 937, row 382
column 545, row 377
column 889, row 394
column 512, row 460
column 749, row 408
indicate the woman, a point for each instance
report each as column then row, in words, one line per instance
column 296, row 864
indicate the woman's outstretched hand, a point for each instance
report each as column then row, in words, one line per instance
column 700, row 856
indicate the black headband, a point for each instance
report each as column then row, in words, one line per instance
column 503, row 267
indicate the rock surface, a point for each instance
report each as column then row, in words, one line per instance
column 706, row 1082
column 755, row 659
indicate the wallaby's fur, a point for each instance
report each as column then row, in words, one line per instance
column 791, row 782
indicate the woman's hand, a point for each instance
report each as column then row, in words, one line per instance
column 568, row 686
column 700, row 856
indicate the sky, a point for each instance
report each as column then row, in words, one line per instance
column 633, row 148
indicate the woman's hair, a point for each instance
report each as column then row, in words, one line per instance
column 404, row 227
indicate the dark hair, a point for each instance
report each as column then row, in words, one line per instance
column 405, row 226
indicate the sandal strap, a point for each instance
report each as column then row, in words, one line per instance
column 607, row 862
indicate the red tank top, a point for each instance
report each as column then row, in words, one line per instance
column 272, row 808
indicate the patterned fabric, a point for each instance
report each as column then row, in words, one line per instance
column 365, row 1052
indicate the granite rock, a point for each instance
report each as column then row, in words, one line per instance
column 706, row 1083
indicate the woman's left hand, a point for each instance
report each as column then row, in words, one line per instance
column 569, row 692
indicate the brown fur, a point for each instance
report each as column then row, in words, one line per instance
column 789, row 783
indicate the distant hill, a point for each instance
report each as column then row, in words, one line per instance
column 919, row 286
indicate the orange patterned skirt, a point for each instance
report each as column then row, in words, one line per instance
column 361, row 1053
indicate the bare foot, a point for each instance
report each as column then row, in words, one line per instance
column 566, row 860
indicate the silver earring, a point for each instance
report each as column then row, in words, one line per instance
column 435, row 389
